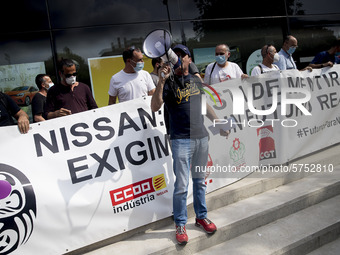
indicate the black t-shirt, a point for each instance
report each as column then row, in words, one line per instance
column 38, row 104
column 8, row 108
column 184, row 105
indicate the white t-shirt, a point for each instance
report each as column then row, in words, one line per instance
column 231, row 71
column 128, row 86
column 265, row 69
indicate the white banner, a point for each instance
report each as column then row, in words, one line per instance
column 278, row 116
column 80, row 179
column 76, row 180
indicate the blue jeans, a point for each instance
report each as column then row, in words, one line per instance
column 187, row 154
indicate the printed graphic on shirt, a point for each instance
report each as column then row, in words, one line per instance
column 223, row 75
column 187, row 91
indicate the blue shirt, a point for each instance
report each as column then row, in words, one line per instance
column 324, row 57
column 286, row 61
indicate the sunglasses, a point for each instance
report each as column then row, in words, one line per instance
column 70, row 74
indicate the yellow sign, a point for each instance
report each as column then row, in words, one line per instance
column 101, row 71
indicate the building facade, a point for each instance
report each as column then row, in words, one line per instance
column 45, row 31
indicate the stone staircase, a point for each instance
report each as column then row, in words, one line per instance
column 285, row 213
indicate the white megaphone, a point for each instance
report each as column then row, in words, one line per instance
column 158, row 44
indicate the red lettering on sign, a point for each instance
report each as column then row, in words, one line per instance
column 132, row 191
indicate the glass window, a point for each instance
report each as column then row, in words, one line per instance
column 84, row 44
column 202, row 9
column 314, row 34
column 307, row 7
column 25, row 48
column 23, row 15
column 22, row 57
column 242, row 36
column 80, row 13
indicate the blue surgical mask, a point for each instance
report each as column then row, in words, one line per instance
column 291, row 50
column 139, row 66
column 220, row 59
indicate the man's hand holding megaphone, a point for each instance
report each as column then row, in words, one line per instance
column 164, row 71
column 157, row 97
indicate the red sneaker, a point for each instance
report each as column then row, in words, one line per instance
column 207, row 225
column 181, row 235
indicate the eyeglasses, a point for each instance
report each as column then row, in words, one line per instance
column 70, row 74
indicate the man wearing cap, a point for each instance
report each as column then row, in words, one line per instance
column 182, row 95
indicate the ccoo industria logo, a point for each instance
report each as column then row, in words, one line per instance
column 137, row 194
column 17, row 209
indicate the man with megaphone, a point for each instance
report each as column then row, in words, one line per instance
column 182, row 95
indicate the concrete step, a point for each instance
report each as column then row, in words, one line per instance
column 253, row 184
column 298, row 233
column 332, row 248
column 238, row 218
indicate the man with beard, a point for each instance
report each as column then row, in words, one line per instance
column 69, row 96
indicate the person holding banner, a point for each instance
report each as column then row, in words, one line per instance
column 182, row 96
column 286, row 61
column 69, row 96
column 269, row 56
column 327, row 57
column 132, row 81
column 9, row 109
column 222, row 69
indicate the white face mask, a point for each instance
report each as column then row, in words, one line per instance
column 71, row 80
column 276, row 57
column 50, row 85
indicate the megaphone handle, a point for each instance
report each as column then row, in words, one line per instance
column 166, row 52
